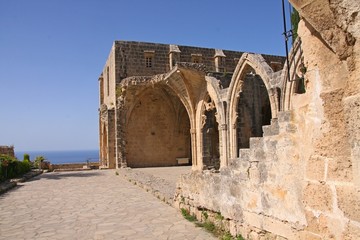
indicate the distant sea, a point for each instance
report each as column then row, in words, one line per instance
column 57, row 157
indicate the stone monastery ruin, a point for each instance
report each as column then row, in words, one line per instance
column 275, row 152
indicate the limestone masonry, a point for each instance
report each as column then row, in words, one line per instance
column 7, row 150
column 276, row 153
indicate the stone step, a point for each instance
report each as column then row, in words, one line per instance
column 272, row 129
column 234, row 163
column 285, row 116
column 244, row 154
column 256, row 142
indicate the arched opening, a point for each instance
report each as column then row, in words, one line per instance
column 158, row 130
column 210, row 137
column 253, row 109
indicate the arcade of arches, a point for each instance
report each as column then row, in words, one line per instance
column 159, row 121
column 274, row 161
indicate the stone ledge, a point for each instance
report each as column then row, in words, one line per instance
column 158, row 187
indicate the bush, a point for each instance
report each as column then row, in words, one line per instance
column 26, row 157
column 38, row 161
column 10, row 167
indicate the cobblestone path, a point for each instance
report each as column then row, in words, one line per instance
column 89, row 205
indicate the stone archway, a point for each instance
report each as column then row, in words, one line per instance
column 252, row 75
column 253, row 110
column 158, row 130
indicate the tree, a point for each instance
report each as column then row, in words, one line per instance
column 295, row 19
column 38, row 161
column 26, row 157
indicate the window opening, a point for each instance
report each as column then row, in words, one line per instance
column 148, row 61
column 149, row 58
column 196, row 58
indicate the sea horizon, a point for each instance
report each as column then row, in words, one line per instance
column 62, row 156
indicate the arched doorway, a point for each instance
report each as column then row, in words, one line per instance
column 158, row 130
column 253, row 109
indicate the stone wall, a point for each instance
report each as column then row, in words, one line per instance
column 258, row 192
column 298, row 180
column 72, row 166
column 130, row 58
column 301, row 179
column 7, row 150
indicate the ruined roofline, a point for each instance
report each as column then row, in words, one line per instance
column 152, row 79
column 116, row 42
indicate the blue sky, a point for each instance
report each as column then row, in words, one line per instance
column 52, row 52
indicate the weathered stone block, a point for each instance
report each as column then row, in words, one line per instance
column 279, row 228
column 270, row 130
column 315, row 168
column 244, row 154
column 349, row 201
column 254, row 174
column 309, row 236
column 253, row 219
column 254, row 236
column 351, row 232
column 233, row 228
column 318, row 197
column 267, row 130
column 312, row 222
column 256, row 143
column 285, row 116
column 340, row 169
column 291, row 128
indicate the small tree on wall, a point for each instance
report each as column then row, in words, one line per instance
column 295, row 19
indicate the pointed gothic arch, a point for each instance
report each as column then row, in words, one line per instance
column 159, row 127
column 251, row 74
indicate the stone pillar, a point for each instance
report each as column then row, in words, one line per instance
column 103, row 126
column 174, row 55
column 234, row 146
column 195, row 163
column 120, row 132
column 111, row 138
column 219, row 58
column 224, row 157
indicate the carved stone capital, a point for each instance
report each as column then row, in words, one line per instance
column 223, row 127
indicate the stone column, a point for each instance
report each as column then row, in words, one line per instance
column 120, row 133
column 194, row 149
column 233, row 137
column 224, row 158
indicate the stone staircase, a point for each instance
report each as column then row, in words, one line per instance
column 262, row 148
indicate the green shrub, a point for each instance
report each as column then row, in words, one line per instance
column 26, row 157
column 187, row 216
column 38, row 161
column 239, row 237
column 10, row 167
column 227, row 236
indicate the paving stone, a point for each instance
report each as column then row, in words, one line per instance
column 89, row 205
